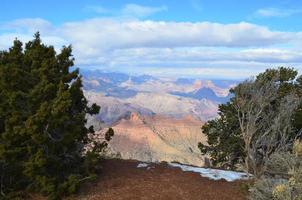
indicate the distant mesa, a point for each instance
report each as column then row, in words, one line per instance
column 134, row 117
column 154, row 119
column 157, row 138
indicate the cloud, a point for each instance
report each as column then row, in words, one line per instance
column 24, row 29
column 98, row 9
column 96, row 35
column 149, row 45
column 203, row 62
column 27, row 25
column 200, row 55
column 140, row 11
column 276, row 12
column 128, row 10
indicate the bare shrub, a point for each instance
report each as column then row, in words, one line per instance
column 284, row 180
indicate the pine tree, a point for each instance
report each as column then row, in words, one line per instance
column 225, row 145
column 42, row 121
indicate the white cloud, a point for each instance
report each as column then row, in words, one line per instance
column 24, row 29
column 28, row 25
column 6, row 40
column 140, row 11
column 186, row 47
column 199, row 55
column 98, row 9
column 99, row 34
column 276, row 12
column 128, row 10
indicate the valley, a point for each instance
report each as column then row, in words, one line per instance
column 154, row 119
column 157, row 138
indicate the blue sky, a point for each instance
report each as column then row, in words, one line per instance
column 223, row 11
column 215, row 39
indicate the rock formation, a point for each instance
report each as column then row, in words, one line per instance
column 158, row 138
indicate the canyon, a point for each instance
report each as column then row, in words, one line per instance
column 157, row 138
column 154, row 119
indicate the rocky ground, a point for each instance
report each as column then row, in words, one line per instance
column 122, row 180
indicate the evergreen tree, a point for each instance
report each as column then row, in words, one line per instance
column 225, row 141
column 42, row 121
column 225, row 145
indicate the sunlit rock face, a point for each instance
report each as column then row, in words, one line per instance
column 157, row 138
column 154, row 118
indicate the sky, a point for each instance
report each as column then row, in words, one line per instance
column 226, row 39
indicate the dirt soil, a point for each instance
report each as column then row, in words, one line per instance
column 122, row 180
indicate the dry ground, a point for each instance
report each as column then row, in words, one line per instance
column 122, row 180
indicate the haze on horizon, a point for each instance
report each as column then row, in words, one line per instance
column 194, row 38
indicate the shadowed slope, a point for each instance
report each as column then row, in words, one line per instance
column 158, row 138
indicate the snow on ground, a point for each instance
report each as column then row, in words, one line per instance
column 214, row 174
column 142, row 165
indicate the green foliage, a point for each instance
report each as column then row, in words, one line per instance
column 226, row 147
column 42, row 121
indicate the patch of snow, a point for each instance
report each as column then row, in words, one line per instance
column 142, row 165
column 214, row 174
